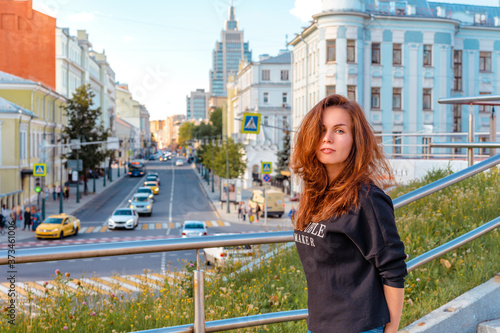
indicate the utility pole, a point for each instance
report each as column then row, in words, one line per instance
column 227, row 170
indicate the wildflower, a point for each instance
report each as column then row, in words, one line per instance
column 92, row 314
column 418, row 279
column 58, row 272
column 45, row 283
column 191, row 265
column 65, row 328
column 67, row 275
column 84, row 303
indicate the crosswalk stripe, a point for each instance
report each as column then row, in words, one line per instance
column 145, row 227
column 89, row 230
column 28, row 289
column 158, row 225
column 93, row 287
column 18, row 290
column 36, row 285
column 141, row 282
column 209, row 223
column 169, row 278
column 97, row 229
column 104, row 228
column 113, row 285
column 221, row 224
column 152, row 226
column 127, row 283
column 165, row 225
column 83, row 229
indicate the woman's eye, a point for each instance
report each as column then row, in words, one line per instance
column 339, row 131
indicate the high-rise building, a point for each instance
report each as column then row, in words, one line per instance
column 197, row 105
column 227, row 55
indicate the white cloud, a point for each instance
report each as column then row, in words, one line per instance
column 304, row 9
column 127, row 38
column 82, row 17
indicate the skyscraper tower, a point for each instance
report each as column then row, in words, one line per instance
column 227, row 54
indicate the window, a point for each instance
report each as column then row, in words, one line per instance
column 266, row 120
column 375, row 100
column 285, row 98
column 351, row 50
column 330, row 50
column 485, row 61
column 330, row 90
column 397, row 54
column 351, row 93
column 284, row 75
column 426, row 147
column 285, row 122
column 427, row 99
column 457, row 70
column 427, row 55
column 485, row 108
column 396, row 144
column 396, row 99
column 484, row 151
column 266, row 97
column 266, row 75
column 375, row 53
column 457, row 118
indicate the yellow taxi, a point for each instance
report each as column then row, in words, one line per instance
column 153, row 185
column 58, row 226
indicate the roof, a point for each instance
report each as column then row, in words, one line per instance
column 284, row 58
column 9, row 107
column 7, row 78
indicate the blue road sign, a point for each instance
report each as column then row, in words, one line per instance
column 250, row 123
column 39, row 169
column 266, row 178
column 266, row 167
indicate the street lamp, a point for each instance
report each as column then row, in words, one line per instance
column 19, row 167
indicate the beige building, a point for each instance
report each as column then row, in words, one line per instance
column 171, row 129
column 158, row 132
column 127, row 135
column 31, row 117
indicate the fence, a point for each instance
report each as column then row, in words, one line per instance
column 199, row 325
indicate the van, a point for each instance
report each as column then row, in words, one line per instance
column 275, row 201
column 219, row 255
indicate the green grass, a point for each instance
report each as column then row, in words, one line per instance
column 279, row 284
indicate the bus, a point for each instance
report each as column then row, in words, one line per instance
column 136, row 169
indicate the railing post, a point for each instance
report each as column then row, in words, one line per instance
column 470, row 138
column 199, row 302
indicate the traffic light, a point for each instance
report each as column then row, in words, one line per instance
column 38, row 184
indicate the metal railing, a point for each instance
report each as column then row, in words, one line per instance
column 151, row 246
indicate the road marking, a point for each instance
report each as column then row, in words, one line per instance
column 163, row 259
column 89, row 230
column 171, row 195
column 145, row 227
column 152, row 226
column 208, row 223
column 221, row 224
column 158, row 225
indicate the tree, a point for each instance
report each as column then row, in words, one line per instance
column 216, row 120
column 83, row 124
column 186, row 132
column 284, row 155
column 236, row 164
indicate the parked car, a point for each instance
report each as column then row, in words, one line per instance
column 58, row 226
column 275, row 201
column 179, row 163
column 124, row 218
column 194, row 229
column 148, row 190
column 220, row 255
column 141, row 203
column 153, row 185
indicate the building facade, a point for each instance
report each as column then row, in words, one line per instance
column 197, row 105
column 27, row 42
column 32, row 116
column 171, row 130
column 227, row 54
column 396, row 59
column 78, row 64
column 261, row 87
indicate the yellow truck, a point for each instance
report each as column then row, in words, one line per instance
column 275, row 200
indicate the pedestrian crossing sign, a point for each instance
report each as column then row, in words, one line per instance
column 250, row 123
column 39, row 169
column 266, row 167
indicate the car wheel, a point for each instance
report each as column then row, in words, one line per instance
column 279, row 215
column 61, row 234
column 76, row 232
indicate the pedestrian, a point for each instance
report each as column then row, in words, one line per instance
column 240, row 211
column 5, row 211
column 35, row 218
column 291, row 214
column 54, row 194
column 66, row 192
column 58, row 191
column 27, row 218
column 15, row 217
column 345, row 231
column 250, row 213
column 257, row 213
column 243, row 211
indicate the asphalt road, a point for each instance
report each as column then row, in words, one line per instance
column 181, row 198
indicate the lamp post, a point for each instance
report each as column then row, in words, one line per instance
column 227, row 170
column 19, row 167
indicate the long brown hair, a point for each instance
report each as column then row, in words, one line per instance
column 321, row 200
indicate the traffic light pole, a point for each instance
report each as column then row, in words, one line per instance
column 77, row 180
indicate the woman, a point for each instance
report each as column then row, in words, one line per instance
column 345, row 231
column 27, row 218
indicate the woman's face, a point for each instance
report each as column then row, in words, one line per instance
column 336, row 142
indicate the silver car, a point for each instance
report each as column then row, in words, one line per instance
column 147, row 190
column 193, row 229
column 123, row 218
column 142, row 203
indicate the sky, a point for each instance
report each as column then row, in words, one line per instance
column 163, row 48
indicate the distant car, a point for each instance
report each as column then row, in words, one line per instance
column 124, row 218
column 193, row 229
column 153, row 177
column 179, row 163
column 142, row 204
column 147, row 190
column 58, row 226
column 153, row 185
column 191, row 159
column 219, row 255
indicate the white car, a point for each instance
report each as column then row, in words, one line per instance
column 142, row 203
column 193, row 229
column 220, row 255
column 179, row 163
column 123, row 218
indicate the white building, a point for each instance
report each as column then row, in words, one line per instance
column 262, row 87
column 77, row 64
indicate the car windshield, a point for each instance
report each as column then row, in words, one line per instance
column 193, row 226
column 53, row 220
column 151, row 178
column 123, row 212
column 144, row 190
column 140, row 199
column 150, row 184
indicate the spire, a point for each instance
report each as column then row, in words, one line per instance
column 231, row 22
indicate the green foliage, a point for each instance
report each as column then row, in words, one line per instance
column 214, row 157
column 83, row 124
column 216, row 121
column 284, row 155
column 186, row 132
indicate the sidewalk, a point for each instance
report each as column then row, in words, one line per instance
column 70, row 206
column 232, row 216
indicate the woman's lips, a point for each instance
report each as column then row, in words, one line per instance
column 327, row 150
